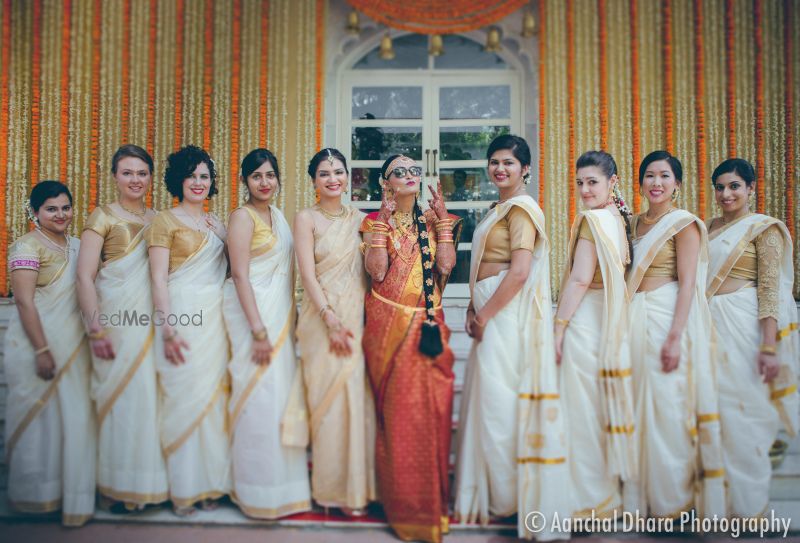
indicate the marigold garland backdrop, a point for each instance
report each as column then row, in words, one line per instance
column 706, row 79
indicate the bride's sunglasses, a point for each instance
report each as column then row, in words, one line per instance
column 401, row 171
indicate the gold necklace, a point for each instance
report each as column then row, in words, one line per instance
column 132, row 212
column 647, row 220
column 331, row 216
column 199, row 221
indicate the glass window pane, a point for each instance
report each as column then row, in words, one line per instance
column 387, row 103
column 471, row 218
column 468, row 142
column 379, row 143
column 462, row 53
column 489, row 102
column 365, row 184
column 410, row 52
column 467, row 184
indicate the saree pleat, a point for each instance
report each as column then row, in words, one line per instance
column 342, row 416
column 131, row 466
column 50, row 426
column 270, row 479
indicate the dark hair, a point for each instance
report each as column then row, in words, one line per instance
column 738, row 166
column 44, row 190
column 182, row 163
column 655, row 156
column 133, row 151
column 321, row 155
column 518, row 147
column 254, row 160
column 430, row 342
column 608, row 166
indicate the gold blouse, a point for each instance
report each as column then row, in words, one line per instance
column 30, row 252
column 263, row 238
column 665, row 263
column 586, row 233
column 761, row 262
column 514, row 231
column 117, row 233
column 168, row 231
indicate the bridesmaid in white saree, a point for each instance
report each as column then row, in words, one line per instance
column 673, row 357
column 591, row 343
column 114, row 280
column 187, row 268
column 511, row 454
column 270, row 479
column 750, row 294
column 327, row 243
column 50, row 431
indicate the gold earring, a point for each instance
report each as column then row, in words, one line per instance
column 676, row 193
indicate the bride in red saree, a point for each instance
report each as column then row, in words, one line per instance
column 409, row 255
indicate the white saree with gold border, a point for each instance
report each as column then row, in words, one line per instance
column 339, row 399
column 194, row 394
column 596, row 377
column 677, row 417
column 50, row 430
column 752, row 411
column 511, row 442
column 130, row 464
column 270, row 479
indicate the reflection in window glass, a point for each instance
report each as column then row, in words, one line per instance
column 387, row 103
column 378, row 143
column 471, row 218
column 490, row 102
column 365, row 185
column 467, row 184
column 462, row 53
column 411, row 51
column 467, row 142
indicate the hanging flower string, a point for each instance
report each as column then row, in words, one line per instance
column 700, row 112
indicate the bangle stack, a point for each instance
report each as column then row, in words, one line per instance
column 380, row 230
column 259, row 335
column 444, row 231
column 565, row 322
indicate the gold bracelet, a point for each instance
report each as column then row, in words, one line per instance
column 324, row 309
column 767, row 349
column 97, row 335
column 43, row 350
column 375, row 246
column 565, row 322
column 259, row 335
column 446, row 241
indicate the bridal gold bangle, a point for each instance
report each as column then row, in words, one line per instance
column 767, row 349
column 42, row 350
column 259, row 335
column 565, row 322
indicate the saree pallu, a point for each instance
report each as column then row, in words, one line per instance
column 413, row 398
column 194, row 394
column 339, row 400
column 677, row 416
column 751, row 411
column 130, row 465
column 270, row 479
column 510, row 440
column 596, row 378
column 50, row 429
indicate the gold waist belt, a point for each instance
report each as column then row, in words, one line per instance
column 406, row 308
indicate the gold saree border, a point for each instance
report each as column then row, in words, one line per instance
column 134, row 498
column 279, row 342
column 189, row 502
column 36, row 507
column 417, row 532
column 106, row 407
column 176, row 444
column 541, row 460
column 754, row 230
column 271, row 513
column 42, row 401
column 600, row 511
column 538, row 397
